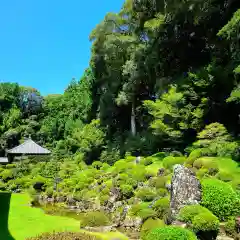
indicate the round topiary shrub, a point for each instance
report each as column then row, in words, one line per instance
column 170, row 161
column 230, row 227
column 220, row 198
column 161, row 206
column 187, row 213
column 127, row 190
column 206, row 226
column 94, row 219
column 149, row 225
column 146, row 194
column 205, row 222
column 171, row 233
column 225, row 176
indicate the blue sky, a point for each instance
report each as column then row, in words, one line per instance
column 44, row 43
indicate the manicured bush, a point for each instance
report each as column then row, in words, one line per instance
column 230, row 227
column 171, row 233
column 195, row 154
column 225, row 176
column 170, row 161
column 94, row 219
column 127, row 190
column 136, row 208
column 201, row 173
column 161, row 206
column 147, row 161
column 146, row 213
column 205, row 222
column 146, row 194
column 149, row 225
column 220, row 198
column 65, row 236
column 187, row 213
column 97, row 164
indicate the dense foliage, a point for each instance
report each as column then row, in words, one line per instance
column 164, row 79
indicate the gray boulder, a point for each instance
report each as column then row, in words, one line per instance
column 185, row 189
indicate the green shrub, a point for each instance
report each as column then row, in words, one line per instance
column 150, row 224
column 230, row 227
column 171, row 233
column 220, row 198
column 7, row 174
column 97, row 164
column 146, row 213
column 160, row 182
column 170, row 161
column 205, row 222
column 225, row 176
column 2, row 186
column 195, row 154
column 161, row 206
column 162, row 192
column 65, row 236
column 146, row 194
column 94, row 219
column 127, row 190
column 187, row 213
column 136, row 208
column 201, row 173
column 147, row 161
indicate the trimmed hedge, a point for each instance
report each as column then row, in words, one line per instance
column 220, row 199
column 171, row 233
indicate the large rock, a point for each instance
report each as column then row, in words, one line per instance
column 185, row 189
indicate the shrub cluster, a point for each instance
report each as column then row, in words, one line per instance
column 220, row 198
column 171, row 232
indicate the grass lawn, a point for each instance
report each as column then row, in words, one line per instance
column 19, row 221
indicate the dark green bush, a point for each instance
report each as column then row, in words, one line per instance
column 188, row 213
column 94, row 219
column 149, row 225
column 161, row 206
column 205, row 222
column 220, row 198
column 65, row 236
column 171, row 233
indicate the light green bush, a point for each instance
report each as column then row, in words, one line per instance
column 146, row 194
column 150, row 224
column 230, row 227
column 171, row 233
column 220, row 198
column 225, row 176
column 205, row 222
column 187, row 213
column 127, row 190
column 94, row 219
column 97, row 164
column 161, row 206
column 170, row 161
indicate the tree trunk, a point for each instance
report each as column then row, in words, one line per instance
column 133, row 119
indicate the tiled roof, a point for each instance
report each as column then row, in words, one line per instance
column 28, row 147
